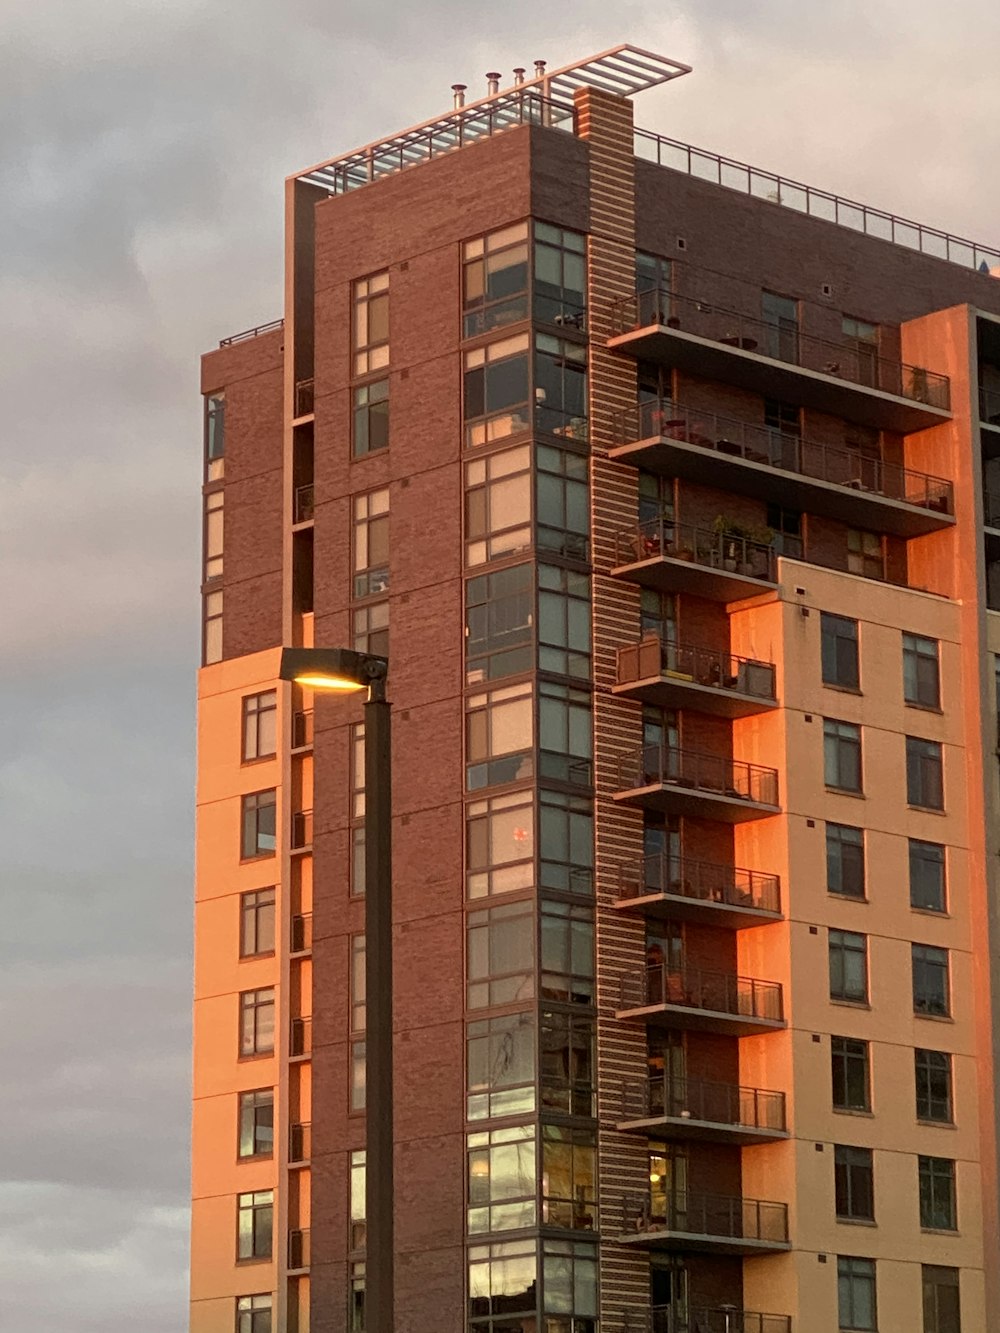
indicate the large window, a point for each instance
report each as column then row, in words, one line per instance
column 500, row 845
column 942, row 1301
column 937, row 1193
column 260, row 725
column 921, row 671
column 371, row 628
column 215, row 436
column 560, row 275
column 848, row 966
column 500, row 962
column 499, row 611
column 566, row 830
column 854, row 1183
column 214, row 519
column 253, row 1314
column 841, row 755
column 256, row 923
column 865, row 554
column 257, row 1021
column 258, row 829
column 566, row 1062
column 495, row 280
column 931, row 991
column 498, row 743
column 371, row 323
column 503, row 1284
column 256, row 1123
column 254, row 1214
column 501, row 1066
column 839, row 640
column 933, row 1078
column 856, row 1295
column 927, row 876
column 565, row 734
column 653, row 284
column 569, row 1196
column 371, row 417
column 371, row 543
column 781, row 331
column 849, row 1069
column 562, row 520
column 845, row 860
column 924, row 773
column 560, row 386
column 567, row 952
column 502, row 1179
column 497, row 505
column 495, row 390
column 563, row 621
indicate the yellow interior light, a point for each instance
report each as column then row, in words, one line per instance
column 323, row 682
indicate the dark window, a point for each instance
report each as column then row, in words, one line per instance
column 560, row 275
column 854, row 1183
column 932, row 1070
column 861, row 342
column 845, row 860
column 562, row 492
column 652, row 285
column 254, row 1222
column 786, row 527
column 856, row 1295
column 566, row 1062
column 495, row 280
column 839, row 637
column 499, row 613
column 842, row 755
column 257, row 1021
column 567, row 963
column 371, row 417
column 495, row 390
column 371, row 628
column 260, row 725
column 937, row 1193
column 566, row 834
column 563, row 621
column 253, row 1314
column 781, row 326
column 658, row 614
column 356, row 1306
column 921, row 672
column 865, row 554
column 930, row 980
column 924, row 773
column 849, row 1067
column 927, row 876
column 784, row 431
column 565, row 734
column 215, row 436
column 848, row 966
column 560, row 387
column 256, row 922
column 256, row 1129
column 501, row 954
column 942, row 1304
column 258, row 834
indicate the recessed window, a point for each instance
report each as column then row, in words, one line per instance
column 839, row 639
column 256, row 1123
column 937, row 1193
column 502, row 1176
column 930, row 980
column 495, row 280
column 565, row 734
column 845, row 860
column 214, row 519
column 653, row 286
column 563, row 621
column 257, row 1021
column 497, row 505
column 255, row 1215
column 560, row 286
column 371, row 417
column 258, row 829
column 499, row 624
column 501, row 954
column 495, row 390
column 358, row 1201
column 501, row 1066
column 359, row 1010
column 256, row 923
column 924, row 773
column 566, row 834
column 215, row 436
column 861, row 344
column 932, row 1071
column 849, row 1067
column 260, row 725
column 781, row 326
column 212, row 628
column 566, row 1062
column 500, row 844
column 371, row 323
column 784, row 434
column 848, row 966
column 499, row 737
column 921, row 671
column 567, row 963
column 942, row 1299
column 856, row 1303
column 786, row 531
column 927, row 876
column 865, row 554
column 854, row 1183
column 356, row 1298
column 371, row 543
column 560, row 392
column 562, row 492
column 253, row 1314
column 842, row 755
column 358, row 1075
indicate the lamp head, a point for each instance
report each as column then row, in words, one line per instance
column 336, row 669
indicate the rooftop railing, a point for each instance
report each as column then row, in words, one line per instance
column 775, row 448
column 702, row 988
column 723, row 1216
column 703, row 546
column 722, row 1104
column 653, row 656
column 670, row 765
column 854, row 361
column 252, row 333
column 775, row 189
column 705, row 881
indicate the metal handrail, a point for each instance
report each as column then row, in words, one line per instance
column 702, row 988
column 808, row 199
column 700, row 1319
column 685, row 877
column 670, row 765
column 302, row 830
column 789, row 344
column 667, row 1096
column 252, row 333
column 302, row 729
column 299, row 1249
column 302, row 933
column 300, row 1036
column 300, row 1142
column 703, row 546
column 303, row 503
column 728, row 1217
column 654, row 656
column 786, row 452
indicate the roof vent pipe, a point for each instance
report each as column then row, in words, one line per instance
column 492, row 83
column 518, row 76
column 539, row 68
column 459, row 90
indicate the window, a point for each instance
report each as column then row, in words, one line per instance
column 371, row 543
column 924, row 773
column 256, row 923
column 501, row 1066
column 854, row 1186
column 503, row 1281
column 565, row 734
column 358, row 983
column 567, row 952
column 211, row 650
column 942, row 1304
column 500, row 845
column 356, row 1298
column 257, row 1022
column 495, row 280
column 784, row 433
column 845, row 860
column 658, row 614
column 358, row 1200
column 921, row 671
column 841, row 755
column 215, row 436
column 560, row 275
column 371, row 628
column 214, row 502
column 560, row 387
column 656, row 499
column 497, row 505
column 500, row 961
column 254, row 1220
column 937, row 1193
column 371, row 323
column 786, row 529
column 358, row 1075
column 932, row 1071
column 563, row 621
column 927, row 876
column 357, row 780
column 253, row 1314
column 865, row 554
column 848, row 966
column 569, row 1284
column 260, row 725
column 569, row 1197
column 371, row 417
column 566, row 835
column 501, row 1179
column 498, row 728
column 861, row 340
column 839, row 637
column 256, row 1128
column 258, row 835
column 562, row 492
column 566, row 1062
column 849, row 1067
column 930, row 980
column 856, row 1294
column 653, row 286
column 495, row 390
column 499, row 618
column 781, row 331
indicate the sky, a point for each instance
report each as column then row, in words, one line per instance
column 143, row 148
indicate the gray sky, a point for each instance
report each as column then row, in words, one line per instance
column 143, row 146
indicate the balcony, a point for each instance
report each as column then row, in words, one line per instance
column 757, row 460
column 302, row 831
column 299, row 1251
column 676, row 557
column 673, row 781
column 303, row 504
column 299, row 1144
column 300, row 1038
column 711, row 1223
column 685, row 1108
column 720, row 1319
column 301, row 941
column 698, row 999
column 302, row 730
column 670, row 888
column 843, row 378
column 676, row 675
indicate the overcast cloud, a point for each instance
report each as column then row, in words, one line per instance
column 143, row 146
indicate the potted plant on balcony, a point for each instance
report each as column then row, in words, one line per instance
column 733, row 536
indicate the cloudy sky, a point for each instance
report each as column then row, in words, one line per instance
column 143, row 145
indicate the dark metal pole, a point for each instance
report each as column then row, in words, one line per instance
column 379, row 1190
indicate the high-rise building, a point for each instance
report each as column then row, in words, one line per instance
column 671, row 489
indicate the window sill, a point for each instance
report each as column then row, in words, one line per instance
column 848, row 897
column 259, row 759
column 934, row 1018
column 940, row 1231
column 926, row 809
column 937, row 1124
column 256, row 1055
column 940, row 913
column 255, row 1157
column 856, row 1221
column 843, row 689
column 845, row 791
column 252, row 957
column 845, row 1003
column 848, row 1110
column 260, row 856
column 255, row 1259
column 923, row 708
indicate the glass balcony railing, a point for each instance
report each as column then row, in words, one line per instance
column 675, row 877
column 669, row 765
column 702, row 988
column 703, row 1319
column 664, row 1096
column 654, row 656
column 705, row 547
column 718, row 1216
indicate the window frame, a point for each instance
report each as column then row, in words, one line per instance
column 213, row 534
column 367, row 294
column 854, row 1183
column 922, row 1005
column 215, row 436
column 845, row 948
column 247, row 1107
column 258, row 716
column 251, row 1006
column 370, row 529
column 252, row 903
column 848, row 1059
column 924, row 773
column 252, row 835
column 935, row 1174
column 843, row 864
column 256, row 1209
column 925, row 1099
column 212, row 646
column 253, row 1309
column 926, row 693
column 846, row 735
column 941, row 861
column 834, row 658
column 370, row 417
column 854, row 1268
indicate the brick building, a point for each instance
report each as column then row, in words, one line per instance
column 665, row 484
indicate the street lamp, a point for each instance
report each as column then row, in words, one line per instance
column 341, row 670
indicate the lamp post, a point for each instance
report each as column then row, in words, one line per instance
column 344, row 671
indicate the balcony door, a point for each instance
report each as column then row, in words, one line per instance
column 667, row 1188
column 668, row 1296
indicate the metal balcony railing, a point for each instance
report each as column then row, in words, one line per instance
column 302, row 729
column 727, row 1217
column 302, row 933
column 706, row 881
column 702, row 988
column 252, row 333
column 654, row 656
column 857, row 362
column 989, row 406
column 300, row 1037
column 299, row 1143
column 303, row 503
column 302, row 830
column 304, row 397
column 669, row 765
column 703, row 1319
column 784, row 451
column 299, row 1250
column 662, row 536
column 723, row 1104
